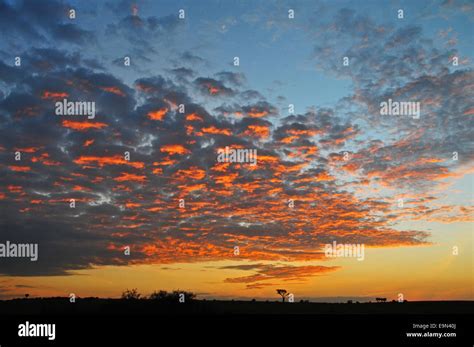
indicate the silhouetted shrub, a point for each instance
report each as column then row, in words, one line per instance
column 174, row 296
column 161, row 295
column 131, row 294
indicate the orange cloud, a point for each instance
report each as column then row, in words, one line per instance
column 285, row 273
column 53, row 95
column 193, row 172
column 174, row 149
column 255, row 113
column 469, row 112
column 79, row 188
column 82, row 126
column 28, row 149
column 194, row 117
column 303, row 132
column 114, row 90
column 43, row 159
column 87, row 143
column 324, row 176
column 132, row 204
column 14, row 189
column 213, row 90
column 130, row 177
column 268, row 159
column 191, row 188
column 19, row 168
column 260, row 131
column 158, row 114
column 114, row 160
column 214, row 130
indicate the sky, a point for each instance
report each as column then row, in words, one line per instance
column 144, row 175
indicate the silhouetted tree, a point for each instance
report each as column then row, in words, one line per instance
column 283, row 293
column 132, row 294
column 162, row 295
column 27, row 295
column 174, row 296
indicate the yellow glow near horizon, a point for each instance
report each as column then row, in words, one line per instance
column 419, row 273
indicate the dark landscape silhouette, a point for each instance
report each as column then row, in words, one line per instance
column 186, row 303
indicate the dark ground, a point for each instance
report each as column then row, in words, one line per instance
column 114, row 322
column 62, row 306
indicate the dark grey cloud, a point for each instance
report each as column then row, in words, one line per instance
column 72, row 33
column 210, row 86
column 40, row 21
column 233, row 78
column 191, row 58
